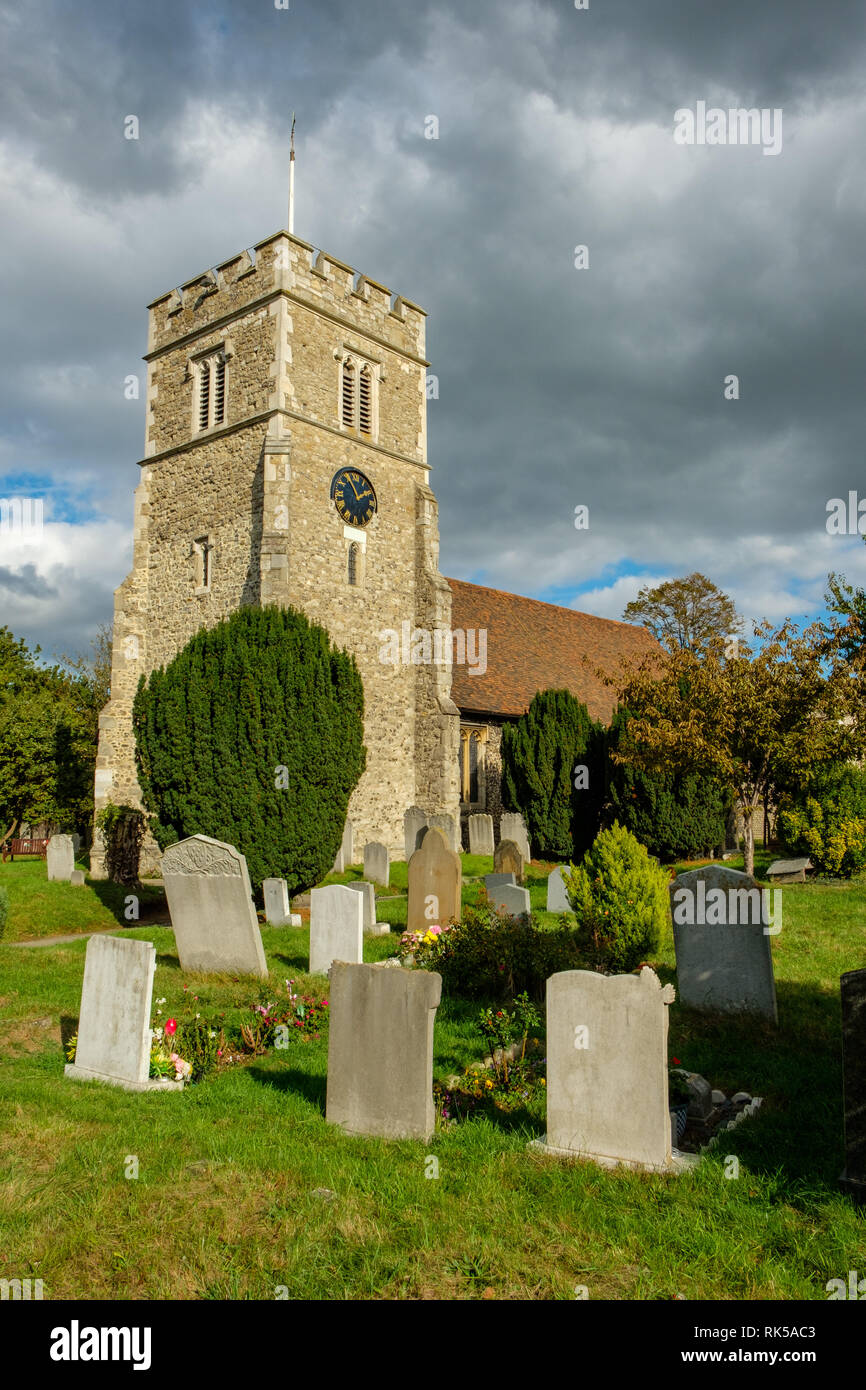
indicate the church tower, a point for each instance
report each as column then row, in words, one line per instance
column 286, row 462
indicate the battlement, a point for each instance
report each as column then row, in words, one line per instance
column 282, row 263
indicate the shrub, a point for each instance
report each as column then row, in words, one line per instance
column 4, row 911
column 123, row 831
column 253, row 734
column 540, row 752
column 491, row 956
column 198, row 1042
column 620, row 896
column 674, row 815
column 827, row 821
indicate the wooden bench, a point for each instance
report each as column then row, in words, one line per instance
column 25, row 847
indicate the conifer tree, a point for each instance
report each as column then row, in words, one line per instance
column 553, row 771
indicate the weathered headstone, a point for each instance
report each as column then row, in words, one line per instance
column 377, row 864
column 380, row 1050
column 336, row 927
column 114, row 1036
column 368, row 897
column 722, row 925
column 76, row 843
column 512, row 826
column 278, row 908
column 789, row 870
column 209, row 899
column 607, row 1070
column 511, row 899
column 508, row 859
column 481, row 835
column 414, row 824
column 60, row 859
column 493, row 882
column 557, row 898
column 853, row 990
column 445, row 823
column 76, row 878
column 434, row 883
column 346, row 852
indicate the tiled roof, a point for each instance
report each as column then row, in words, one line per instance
column 534, row 646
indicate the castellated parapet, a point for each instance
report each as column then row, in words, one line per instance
column 253, row 492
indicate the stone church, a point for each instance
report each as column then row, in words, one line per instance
column 286, row 462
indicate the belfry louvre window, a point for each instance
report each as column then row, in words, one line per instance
column 211, row 405
column 348, row 395
column 365, row 401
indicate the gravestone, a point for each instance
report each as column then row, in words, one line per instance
column 447, row 825
column 368, row 898
column 414, row 824
column 509, row 898
column 76, row 843
column 722, row 942
column 60, row 859
column 336, row 927
column 76, row 878
column 211, row 906
column 508, row 859
column 512, row 826
column 607, row 1070
column 380, row 1050
column 434, row 884
column 789, row 870
column 114, row 1036
column 493, row 882
column 481, row 835
column 278, row 911
column 377, row 864
column 346, row 852
column 853, row 990
column 557, row 898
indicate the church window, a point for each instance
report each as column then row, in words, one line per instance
column 203, row 551
column 211, row 404
column 357, row 404
column 353, row 563
column 365, row 401
column 348, row 396
column 472, row 790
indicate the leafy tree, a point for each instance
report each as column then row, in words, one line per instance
column 826, row 819
column 253, row 734
column 686, row 613
column 675, row 815
column 541, row 754
column 767, row 718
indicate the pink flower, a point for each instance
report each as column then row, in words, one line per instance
column 171, row 1027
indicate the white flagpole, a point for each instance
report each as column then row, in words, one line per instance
column 292, row 178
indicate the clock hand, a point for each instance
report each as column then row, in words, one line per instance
column 352, row 486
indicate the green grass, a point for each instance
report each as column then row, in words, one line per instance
column 225, row 1203
column 38, row 908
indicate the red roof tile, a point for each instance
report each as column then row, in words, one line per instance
column 534, row 646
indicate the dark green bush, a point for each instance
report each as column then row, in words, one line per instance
column 489, row 956
column 620, row 897
column 260, row 692
column 540, row 752
column 826, row 820
column 674, row 815
column 193, row 1042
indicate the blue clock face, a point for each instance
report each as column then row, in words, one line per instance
column 353, row 496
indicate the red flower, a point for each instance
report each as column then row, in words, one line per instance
column 171, row 1027
column 676, row 1061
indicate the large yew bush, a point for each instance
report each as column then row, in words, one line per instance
column 620, row 896
column 253, row 735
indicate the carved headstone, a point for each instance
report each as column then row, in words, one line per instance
column 380, row 1050
column 377, row 864
column 336, row 927
column 481, row 835
column 60, row 859
column 414, row 824
column 722, row 926
column 114, row 1036
column 512, row 826
column 853, row 989
column 508, row 859
column 434, row 883
column 557, row 898
column 209, row 898
column 607, row 1069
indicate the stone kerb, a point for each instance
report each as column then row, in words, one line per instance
column 211, row 906
column 380, row 1050
column 722, row 923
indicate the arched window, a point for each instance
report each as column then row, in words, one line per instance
column 348, row 397
column 365, row 401
column 474, row 749
column 353, row 564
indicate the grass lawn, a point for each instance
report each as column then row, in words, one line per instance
column 228, row 1201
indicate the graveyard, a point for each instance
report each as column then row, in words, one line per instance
column 258, row 1181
